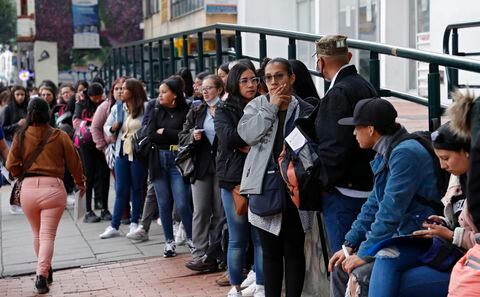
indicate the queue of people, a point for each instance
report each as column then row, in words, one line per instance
column 387, row 208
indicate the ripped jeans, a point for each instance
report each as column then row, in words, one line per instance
column 401, row 274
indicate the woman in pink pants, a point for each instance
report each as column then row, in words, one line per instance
column 43, row 194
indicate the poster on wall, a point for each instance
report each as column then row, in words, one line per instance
column 85, row 24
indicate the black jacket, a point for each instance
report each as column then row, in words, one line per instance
column 473, row 185
column 205, row 153
column 230, row 160
column 342, row 162
column 12, row 113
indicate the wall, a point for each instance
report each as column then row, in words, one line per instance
column 48, row 68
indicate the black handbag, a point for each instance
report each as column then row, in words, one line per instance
column 273, row 199
column 184, row 160
column 142, row 145
column 441, row 255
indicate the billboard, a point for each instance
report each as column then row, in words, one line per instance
column 85, row 24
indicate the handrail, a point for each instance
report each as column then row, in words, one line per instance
column 452, row 30
column 167, row 63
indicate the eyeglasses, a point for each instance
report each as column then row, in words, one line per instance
column 207, row 88
column 253, row 80
column 277, row 77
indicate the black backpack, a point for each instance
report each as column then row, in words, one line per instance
column 443, row 177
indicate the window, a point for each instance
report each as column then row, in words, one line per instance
column 179, row 8
column 358, row 19
column 151, row 7
column 23, row 7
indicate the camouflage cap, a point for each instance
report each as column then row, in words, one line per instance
column 332, row 45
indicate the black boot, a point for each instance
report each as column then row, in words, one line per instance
column 41, row 284
column 50, row 276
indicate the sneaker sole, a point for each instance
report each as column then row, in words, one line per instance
column 169, row 255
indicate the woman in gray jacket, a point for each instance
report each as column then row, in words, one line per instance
column 267, row 120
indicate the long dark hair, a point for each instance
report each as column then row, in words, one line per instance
column 186, row 75
column 233, row 84
column 135, row 106
column 38, row 113
column 176, row 84
column 303, row 85
column 18, row 111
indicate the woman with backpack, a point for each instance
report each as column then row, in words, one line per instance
column 410, row 273
column 232, row 150
column 130, row 173
column 96, row 169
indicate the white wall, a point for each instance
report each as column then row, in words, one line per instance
column 445, row 12
column 48, row 68
column 269, row 14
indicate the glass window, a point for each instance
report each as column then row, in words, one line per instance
column 180, row 8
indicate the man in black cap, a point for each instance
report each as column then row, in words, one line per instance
column 405, row 187
column 343, row 169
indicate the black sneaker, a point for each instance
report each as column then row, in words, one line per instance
column 91, row 217
column 105, row 215
column 41, row 284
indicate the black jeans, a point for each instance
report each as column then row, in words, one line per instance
column 97, row 174
column 288, row 248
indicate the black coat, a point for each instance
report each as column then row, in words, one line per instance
column 230, row 159
column 342, row 162
column 12, row 113
column 205, row 153
column 473, row 185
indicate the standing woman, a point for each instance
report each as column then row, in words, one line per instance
column 43, row 195
column 199, row 128
column 15, row 112
column 130, row 173
column 165, row 122
column 266, row 121
column 96, row 169
column 232, row 151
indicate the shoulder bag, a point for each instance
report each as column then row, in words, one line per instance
column 17, row 185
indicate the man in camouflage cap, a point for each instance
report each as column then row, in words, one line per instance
column 344, row 169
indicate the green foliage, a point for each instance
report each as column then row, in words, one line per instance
column 8, row 19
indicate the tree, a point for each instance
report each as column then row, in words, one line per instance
column 8, row 19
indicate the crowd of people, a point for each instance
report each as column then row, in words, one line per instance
column 396, row 224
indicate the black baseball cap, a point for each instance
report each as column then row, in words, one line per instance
column 371, row 112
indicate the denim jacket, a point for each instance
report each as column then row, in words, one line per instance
column 391, row 209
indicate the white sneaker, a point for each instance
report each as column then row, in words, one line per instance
column 259, row 291
column 169, row 249
column 234, row 293
column 159, row 222
column 180, row 235
column 189, row 244
column 132, row 228
column 109, row 233
column 16, row 210
column 140, row 234
column 249, row 280
column 250, row 290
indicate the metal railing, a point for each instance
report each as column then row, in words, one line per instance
column 161, row 56
column 452, row 73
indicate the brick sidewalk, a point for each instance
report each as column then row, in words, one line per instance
column 149, row 277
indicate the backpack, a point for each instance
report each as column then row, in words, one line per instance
column 443, row 177
column 82, row 134
column 298, row 167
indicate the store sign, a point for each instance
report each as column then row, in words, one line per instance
column 85, row 24
column 221, row 6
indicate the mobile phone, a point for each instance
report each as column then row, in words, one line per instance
column 433, row 222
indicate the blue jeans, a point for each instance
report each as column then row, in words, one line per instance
column 339, row 213
column 129, row 181
column 406, row 276
column 238, row 231
column 169, row 187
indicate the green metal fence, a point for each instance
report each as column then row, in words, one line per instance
column 155, row 59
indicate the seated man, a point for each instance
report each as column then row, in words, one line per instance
column 394, row 207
